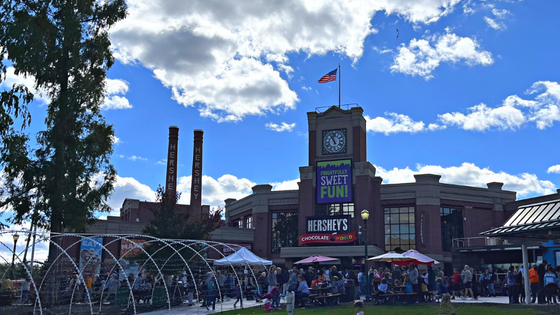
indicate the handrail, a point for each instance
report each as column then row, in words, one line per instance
column 343, row 106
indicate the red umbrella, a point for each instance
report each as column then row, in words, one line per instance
column 314, row 259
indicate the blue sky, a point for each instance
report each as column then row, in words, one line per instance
column 469, row 90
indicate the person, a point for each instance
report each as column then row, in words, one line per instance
column 492, row 278
column 512, row 284
column 431, row 280
column 412, row 275
column 456, row 288
column 483, row 280
column 520, row 294
column 467, row 276
column 534, row 280
column 302, row 291
column 25, row 288
column 292, row 281
column 541, row 270
column 211, row 299
column 273, row 296
column 474, row 284
column 383, row 287
column 358, row 307
column 551, row 285
column 316, row 281
column 397, row 275
column 280, row 278
column 271, row 279
column 309, row 276
column 238, row 295
column 440, row 274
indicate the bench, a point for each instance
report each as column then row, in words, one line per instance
column 325, row 299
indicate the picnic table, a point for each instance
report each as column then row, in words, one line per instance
column 322, row 296
column 394, row 298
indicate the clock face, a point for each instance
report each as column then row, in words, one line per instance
column 334, row 141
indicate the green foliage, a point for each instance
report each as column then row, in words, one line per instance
column 64, row 47
column 171, row 223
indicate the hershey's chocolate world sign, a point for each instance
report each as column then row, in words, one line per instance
column 329, row 224
column 328, row 230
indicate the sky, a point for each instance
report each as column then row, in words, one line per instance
column 469, row 90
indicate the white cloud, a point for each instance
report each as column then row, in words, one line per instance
column 280, row 128
column 395, row 123
column 135, row 158
column 129, row 187
column 554, row 169
column 514, row 112
column 113, row 100
column 422, row 56
column 114, row 87
column 307, row 88
column 467, row 9
column 500, row 14
column 28, row 81
column 493, row 24
column 481, row 118
column 286, row 185
column 116, row 140
column 224, row 57
column 469, row 174
column 215, row 191
column 162, row 162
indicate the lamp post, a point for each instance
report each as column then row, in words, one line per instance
column 16, row 237
column 365, row 217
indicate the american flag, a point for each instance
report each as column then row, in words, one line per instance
column 331, row 76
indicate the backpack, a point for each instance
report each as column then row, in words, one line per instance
column 211, row 286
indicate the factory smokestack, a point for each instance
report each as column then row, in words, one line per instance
column 196, row 179
column 171, row 176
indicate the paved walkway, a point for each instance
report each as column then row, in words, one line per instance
column 197, row 310
column 228, row 305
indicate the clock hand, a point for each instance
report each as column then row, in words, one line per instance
column 331, row 141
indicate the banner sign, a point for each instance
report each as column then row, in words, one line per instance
column 90, row 255
column 334, row 181
column 233, row 248
column 131, row 247
column 327, row 238
column 329, row 224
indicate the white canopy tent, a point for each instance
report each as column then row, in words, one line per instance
column 242, row 257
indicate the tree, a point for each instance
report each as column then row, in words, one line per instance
column 63, row 45
column 171, row 223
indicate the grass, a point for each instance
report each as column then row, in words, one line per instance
column 421, row 309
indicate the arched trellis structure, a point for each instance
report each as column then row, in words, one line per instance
column 147, row 276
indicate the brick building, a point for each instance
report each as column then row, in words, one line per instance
column 323, row 215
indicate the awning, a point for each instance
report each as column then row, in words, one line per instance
column 540, row 220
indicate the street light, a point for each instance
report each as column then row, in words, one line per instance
column 16, row 237
column 365, row 217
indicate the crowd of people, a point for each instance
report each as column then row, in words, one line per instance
column 262, row 283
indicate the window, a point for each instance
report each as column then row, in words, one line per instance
column 335, row 209
column 236, row 224
column 249, row 222
column 284, row 231
column 451, row 226
column 400, row 230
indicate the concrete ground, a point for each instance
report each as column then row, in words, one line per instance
column 228, row 305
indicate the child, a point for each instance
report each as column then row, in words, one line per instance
column 274, row 296
column 382, row 287
column 358, row 306
column 238, row 295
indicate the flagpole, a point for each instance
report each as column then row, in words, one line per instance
column 339, row 77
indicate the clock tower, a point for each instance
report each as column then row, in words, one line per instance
column 339, row 180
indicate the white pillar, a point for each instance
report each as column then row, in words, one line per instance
column 526, row 274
